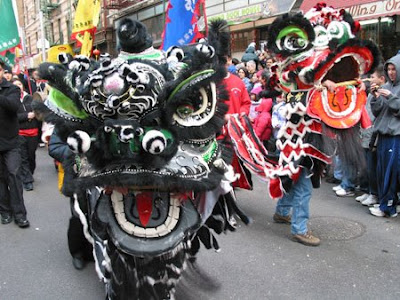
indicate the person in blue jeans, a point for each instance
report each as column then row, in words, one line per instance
column 297, row 201
column 346, row 173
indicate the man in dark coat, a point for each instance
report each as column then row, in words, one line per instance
column 11, row 197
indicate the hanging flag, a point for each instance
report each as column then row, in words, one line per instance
column 184, row 23
column 8, row 57
column 9, row 37
column 87, row 18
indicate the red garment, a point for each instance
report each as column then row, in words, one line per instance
column 239, row 100
column 262, row 123
column 29, row 132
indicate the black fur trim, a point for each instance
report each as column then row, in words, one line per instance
column 219, row 38
column 284, row 21
column 133, row 36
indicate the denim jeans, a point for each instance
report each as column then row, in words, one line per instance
column 298, row 199
column 337, row 168
column 346, row 173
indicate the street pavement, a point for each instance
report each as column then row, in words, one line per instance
column 359, row 257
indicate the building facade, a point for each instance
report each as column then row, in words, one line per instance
column 56, row 25
column 249, row 21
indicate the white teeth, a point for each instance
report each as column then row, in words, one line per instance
column 170, row 223
column 162, row 230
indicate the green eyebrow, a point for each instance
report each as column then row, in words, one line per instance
column 292, row 29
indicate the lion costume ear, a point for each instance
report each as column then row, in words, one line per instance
column 64, row 106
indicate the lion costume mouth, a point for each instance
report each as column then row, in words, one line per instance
column 147, row 223
column 345, row 107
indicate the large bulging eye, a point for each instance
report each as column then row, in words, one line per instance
column 321, row 36
column 185, row 110
column 340, row 31
column 292, row 38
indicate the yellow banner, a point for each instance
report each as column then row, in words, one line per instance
column 55, row 50
column 87, row 15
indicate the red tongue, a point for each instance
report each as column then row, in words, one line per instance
column 144, row 204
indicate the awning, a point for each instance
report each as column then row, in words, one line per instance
column 360, row 9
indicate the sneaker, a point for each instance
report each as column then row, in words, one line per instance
column 376, row 211
column 78, row 262
column 362, row 197
column 282, row 219
column 371, row 200
column 6, row 218
column 344, row 193
column 336, row 188
column 28, row 186
column 22, row 222
column 306, row 239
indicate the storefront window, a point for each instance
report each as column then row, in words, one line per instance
column 155, row 27
column 383, row 33
column 240, row 40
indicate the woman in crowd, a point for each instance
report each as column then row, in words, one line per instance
column 28, row 132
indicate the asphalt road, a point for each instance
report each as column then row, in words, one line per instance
column 359, row 257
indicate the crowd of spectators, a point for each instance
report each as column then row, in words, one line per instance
column 380, row 189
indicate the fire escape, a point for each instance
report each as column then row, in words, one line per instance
column 118, row 4
column 47, row 7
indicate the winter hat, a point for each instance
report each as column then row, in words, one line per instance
column 256, row 90
column 7, row 69
column 250, row 53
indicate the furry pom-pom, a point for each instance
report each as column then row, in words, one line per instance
column 64, row 58
column 79, row 141
column 154, row 142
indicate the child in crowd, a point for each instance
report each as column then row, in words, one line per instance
column 278, row 116
column 369, row 182
column 262, row 123
column 255, row 102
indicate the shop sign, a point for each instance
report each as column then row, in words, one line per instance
column 266, row 9
column 241, row 15
column 374, row 9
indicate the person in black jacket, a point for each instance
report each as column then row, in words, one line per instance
column 28, row 132
column 11, row 192
column 79, row 247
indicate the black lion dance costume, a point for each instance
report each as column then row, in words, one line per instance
column 311, row 49
column 145, row 126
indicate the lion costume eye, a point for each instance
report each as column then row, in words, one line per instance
column 321, row 36
column 292, row 38
column 340, row 31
